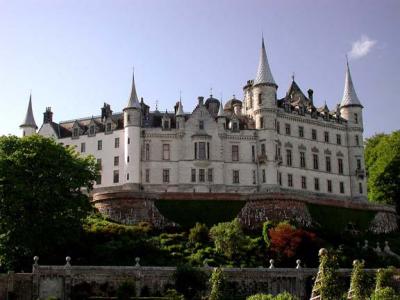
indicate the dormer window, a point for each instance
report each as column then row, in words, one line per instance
column 75, row 132
column 235, row 126
column 201, row 124
column 166, row 124
column 92, row 130
column 108, row 127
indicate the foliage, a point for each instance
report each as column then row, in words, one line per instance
column 228, row 238
column 209, row 212
column 172, row 294
column 382, row 158
column 42, row 186
column 357, row 281
column 288, row 243
column 267, row 225
column 329, row 284
column 126, row 290
column 337, row 219
column 386, row 293
column 198, row 234
column 189, row 281
column 384, row 278
column 281, row 296
column 218, row 285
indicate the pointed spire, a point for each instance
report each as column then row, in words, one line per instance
column 349, row 94
column 179, row 111
column 221, row 110
column 29, row 120
column 264, row 74
column 133, row 100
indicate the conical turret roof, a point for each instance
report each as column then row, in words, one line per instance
column 221, row 110
column 133, row 100
column 179, row 111
column 349, row 95
column 264, row 74
column 29, row 120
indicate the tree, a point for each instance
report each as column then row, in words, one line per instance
column 382, row 158
column 199, row 234
column 358, row 289
column 218, row 285
column 229, row 238
column 43, row 198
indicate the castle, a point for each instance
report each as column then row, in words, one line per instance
column 260, row 144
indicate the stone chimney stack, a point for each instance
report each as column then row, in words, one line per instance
column 48, row 116
column 201, row 100
column 310, row 96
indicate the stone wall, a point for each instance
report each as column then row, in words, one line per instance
column 133, row 207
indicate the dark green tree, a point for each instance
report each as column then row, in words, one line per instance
column 382, row 158
column 199, row 234
column 43, row 198
column 189, row 281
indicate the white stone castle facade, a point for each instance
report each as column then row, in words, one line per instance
column 255, row 145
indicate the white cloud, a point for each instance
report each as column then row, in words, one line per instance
column 361, row 47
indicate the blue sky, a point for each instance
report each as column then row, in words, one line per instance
column 75, row 55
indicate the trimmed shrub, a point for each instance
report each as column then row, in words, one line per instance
column 218, row 285
column 386, row 293
column 189, row 281
column 199, row 234
column 281, row 296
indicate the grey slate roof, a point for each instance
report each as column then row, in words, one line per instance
column 264, row 74
column 29, row 120
column 349, row 94
column 179, row 111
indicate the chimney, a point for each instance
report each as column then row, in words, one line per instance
column 310, row 96
column 48, row 116
column 201, row 100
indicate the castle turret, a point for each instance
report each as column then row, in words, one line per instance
column 351, row 110
column 221, row 118
column 132, row 123
column 180, row 116
column 29, row 126
column 264, row 113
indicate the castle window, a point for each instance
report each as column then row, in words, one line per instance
column 259, row 98
column 356, row 118
column 166, row 124
column 235, row 176
column 315, row 161
column 195, row 150
column 357, row 140
column 263, row 176
column 165, row 153
column 201, row 124
column 128, row 118
column 129, row 141
column 116, row 160
column 99, row 165
column 235, row 126
column 83, row 147
column 316, row 184
column 287, row 129
column 92, row 130
column 235, row 152
column 202, row 150
column 165, row 175
column 193, row 175
column 280, row 178
column 98, row 179
column 302, row 160
column 278, row 127
column 108, row 127
column 301, row 131
column 254, row 177
column 75, row 132
column 253, row 153
column 263, row 149
column 147, row 175
column 99, row 145
column 360, row 187
column 208, row 150
column 127, row 158
column 341, row 185
column 340, row 166
column 290, row 180
column 338, row 139
column 288, row 157
column 329, row 186
column 326, row 136
column 116, row 176
column 303, row 182
column 314, row 134
column 358, row 164
column 127, row 176
column 261, row 122
column 147, row 151
column 116, row 143
column 202, row 175
column 328, row 163
column 210, row 175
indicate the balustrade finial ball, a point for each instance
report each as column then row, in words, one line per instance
column 298, row 264
column 36, row 259
column 322, row 252
column 355, row 262
column 271, row 264
column 68, row 259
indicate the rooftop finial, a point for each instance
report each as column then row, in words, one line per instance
column 293, row 74
column 264, row 74
column 29, row 120
column 211, row 92
column 179, row 111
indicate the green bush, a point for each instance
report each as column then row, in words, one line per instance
column 281, row 296
column 384, row 278
column 126, row 290
column 386, row 293
column 199, row 234
column 189, row 281
column 265, row 232
column 218, row 285
column 172, row 294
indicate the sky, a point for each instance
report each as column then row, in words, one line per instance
column 75, row 55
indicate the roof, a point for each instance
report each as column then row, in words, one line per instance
column 133, row 100
column 350, row 97
column 229, row 104
column 29, row 120
column 264, row 74
column 179, row 111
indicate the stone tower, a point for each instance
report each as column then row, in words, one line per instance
column 264, row 110
column 29, row 126
column 132, row 142
column 351, row 110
